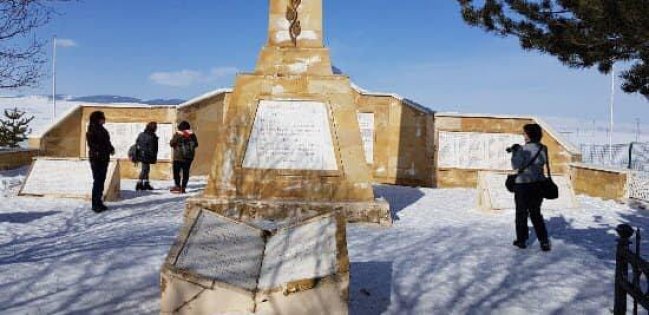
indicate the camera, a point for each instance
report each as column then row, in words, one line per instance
column 513, row 148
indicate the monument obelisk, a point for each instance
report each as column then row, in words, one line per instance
column 291, row 131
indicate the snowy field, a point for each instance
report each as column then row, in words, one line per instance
column 442, row 256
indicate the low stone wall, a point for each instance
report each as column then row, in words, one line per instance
column 598, row 181
column 16, row 158
column 66, row 137
column 469, row 143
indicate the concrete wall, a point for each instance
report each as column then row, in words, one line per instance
column 598, row 181
column 404, row 142
column 206, row 118
column 561, row 153
column 15, row 159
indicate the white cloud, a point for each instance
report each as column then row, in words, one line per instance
column 186, row 77
column 64, row 42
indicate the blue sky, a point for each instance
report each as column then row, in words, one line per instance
column 419, row 49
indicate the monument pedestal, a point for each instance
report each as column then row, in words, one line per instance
column 285, row 211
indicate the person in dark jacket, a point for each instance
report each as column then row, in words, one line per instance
column 529, row 161
column 147, row 154
column 184, row 144
column 99, row 151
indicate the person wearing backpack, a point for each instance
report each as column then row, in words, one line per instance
column 99, row 151
column 184, row 144
column 146, row 153
column 529, row 161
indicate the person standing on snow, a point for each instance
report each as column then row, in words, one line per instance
column 99, row 151
column 147, row 154
column 529, row 161
column 184, row 144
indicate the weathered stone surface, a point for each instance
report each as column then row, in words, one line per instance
column 250, row 210
column 218, row 265
column 16, row 158
column 51, row 177
column 493, row 195
column 599, row 181
column 561, row 152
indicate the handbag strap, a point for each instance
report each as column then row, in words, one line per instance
column 531, row 161
column 547, row 161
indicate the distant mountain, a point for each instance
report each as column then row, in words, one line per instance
column 162, row 101
column 109, row 99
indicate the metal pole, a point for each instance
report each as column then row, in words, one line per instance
column 610, row 128
column 53, row 78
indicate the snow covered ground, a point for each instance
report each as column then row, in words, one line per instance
column 442, row 256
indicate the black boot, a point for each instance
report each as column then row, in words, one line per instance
column 520, row 244
column 139, row 186
column 147, row 186
column 545, row 246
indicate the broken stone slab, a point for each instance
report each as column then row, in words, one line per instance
column 219, row 265
column 290, row 211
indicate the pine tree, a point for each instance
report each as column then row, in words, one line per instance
column 580, row 33
column 14, row 128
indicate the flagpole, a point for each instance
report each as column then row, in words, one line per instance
column 53, row 78
column 610, row 127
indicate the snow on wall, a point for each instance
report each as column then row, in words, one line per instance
column 123, row 136
column 493, row 186
column 304, row 252
column 61, row 177
column 475, row 150
column 220, row 249
column 638, row 185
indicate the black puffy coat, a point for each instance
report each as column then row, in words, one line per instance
column 99, row 146
column 147, row 147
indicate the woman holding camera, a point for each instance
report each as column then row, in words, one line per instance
column 529, row 161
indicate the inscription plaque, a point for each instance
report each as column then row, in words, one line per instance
column 291, row 135
column 123, row 136
column 366, row 124
column 476, row 150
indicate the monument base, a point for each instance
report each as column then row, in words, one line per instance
column 221, row 266
column 289, row 211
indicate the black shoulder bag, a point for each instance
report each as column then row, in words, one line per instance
column 511, row 178
column 549, row 189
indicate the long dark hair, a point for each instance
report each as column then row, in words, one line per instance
column 151, row 127
column 534, row 132
column 96, row 116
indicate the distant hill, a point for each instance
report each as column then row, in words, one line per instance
column 108, row 99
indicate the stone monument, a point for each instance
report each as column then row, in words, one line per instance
column 292, row 135
column 268, row 234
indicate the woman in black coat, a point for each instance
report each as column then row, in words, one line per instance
column 147, row 154
column 99, row 151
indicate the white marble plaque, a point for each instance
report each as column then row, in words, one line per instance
column 62, row 178
column 475, row 150
column 366, row 124
column 291, row 135
column 123, row 136
column 500, row 198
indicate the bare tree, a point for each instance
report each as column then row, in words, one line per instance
column 21, row 52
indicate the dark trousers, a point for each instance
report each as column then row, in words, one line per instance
column 528, row 204
column 144, row 172
column 183, row 166
column 99, row 169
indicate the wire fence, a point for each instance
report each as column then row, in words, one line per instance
column 634, row 156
